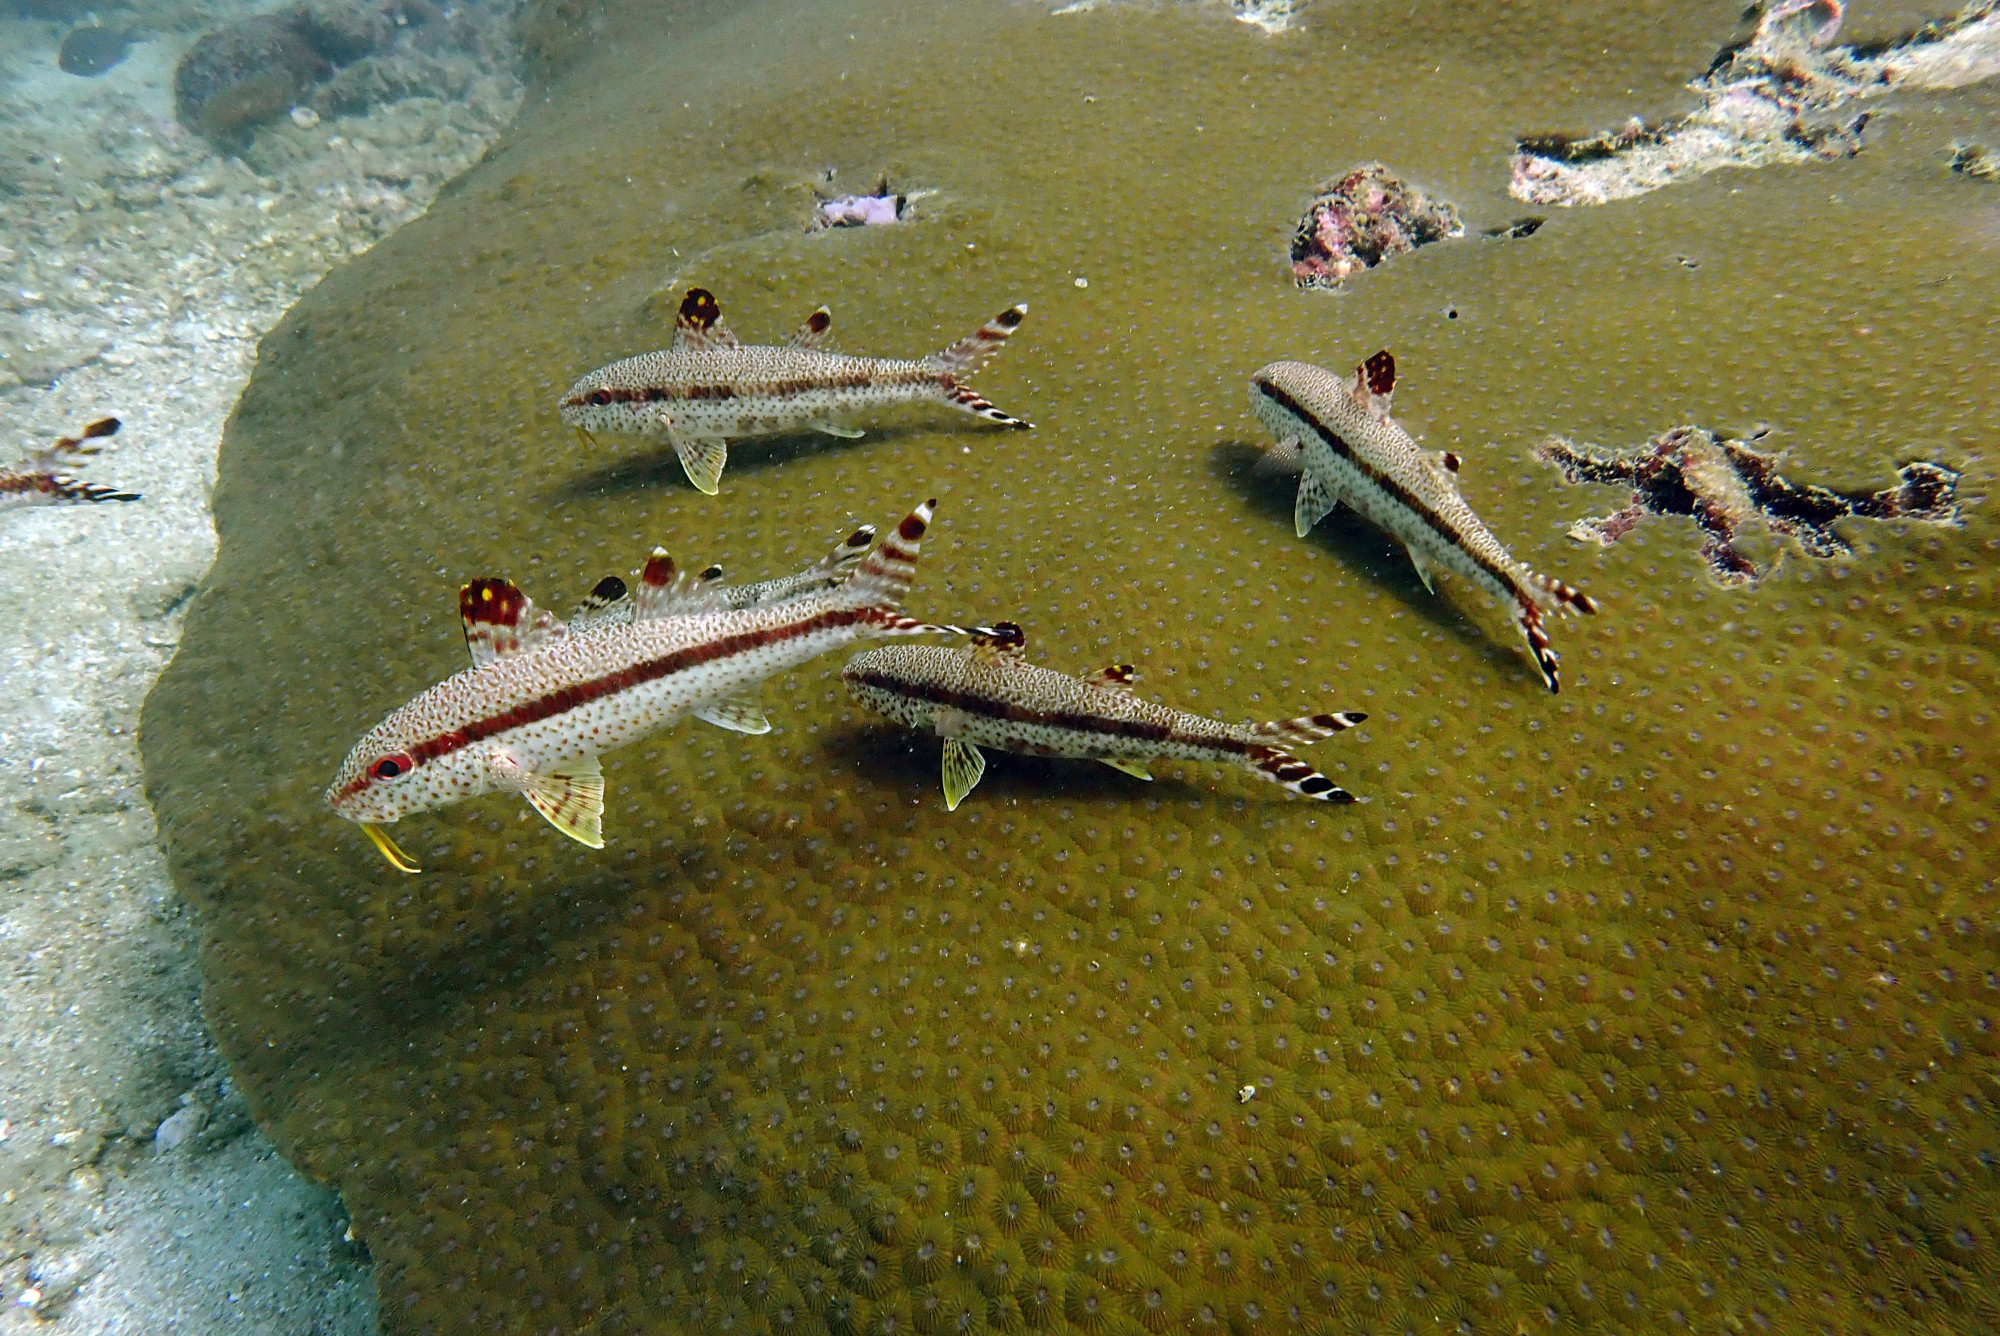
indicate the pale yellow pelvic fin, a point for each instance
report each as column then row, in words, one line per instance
column 571, row 798
column 397, row 858
column 702, row 456
column 738, row 713
column 843, row 431
column 963, row 765
column 1136, row 769
column 1314, row 504
column 1423, row 565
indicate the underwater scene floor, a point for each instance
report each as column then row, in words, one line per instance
column 1664, row 1002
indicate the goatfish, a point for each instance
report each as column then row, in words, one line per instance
column 1351, row 450
column 708, row 387
column 539, row 703
column 989, row 695
column 610, row 601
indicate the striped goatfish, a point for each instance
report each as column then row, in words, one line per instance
column 1353, row 451
column 709, row 387
column 990, row 695
column 540, row 703
column 610, row 602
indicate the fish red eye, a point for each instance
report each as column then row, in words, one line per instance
column 598, row 398
column 391, row 766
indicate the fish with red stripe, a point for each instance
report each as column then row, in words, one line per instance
column 39, row 477
column 540, row 704
column 1349, row 449
column 708, row 387
column 989, row 695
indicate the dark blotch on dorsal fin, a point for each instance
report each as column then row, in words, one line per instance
column 490, row 602
column 658, row 571
column 1381, row 372
column 1000, row 638
column 500, row 620
column 1116, row 677
column 699, row 323
column 814, row 331
column 608, row 591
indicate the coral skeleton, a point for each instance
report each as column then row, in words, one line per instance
column 1724, row 485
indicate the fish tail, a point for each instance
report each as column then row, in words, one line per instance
column 966, row 356
column 1561, row 596
column 1532, row 626
column 883, row 579
column 1307, row 727
column 1283, row 768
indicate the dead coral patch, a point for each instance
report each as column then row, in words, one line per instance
column 1784, row 95
column 1725, row 485
column 1360, row 220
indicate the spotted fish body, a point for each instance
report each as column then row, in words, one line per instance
column 612, row 603
column 1351, row 450
column 989, row 695
column 540, row 704
column 708, row 387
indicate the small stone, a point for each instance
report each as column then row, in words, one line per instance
column 91, row 51
column 175, row 1131
column 304, row 117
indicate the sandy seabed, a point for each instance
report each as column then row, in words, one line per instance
column 138, row 268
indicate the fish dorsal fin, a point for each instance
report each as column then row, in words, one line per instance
column 1374, row 383
column 608, row 603
column 571, row 797
column 739, row 714
column 847, row 554
column 963, row 765
column 699, row 326
column 1116, row 677
column 813, row 333
column 666, row 592
column 1445, row 464
column 1004, row 640
column 500, row 620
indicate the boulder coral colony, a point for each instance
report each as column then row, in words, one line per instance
column 1667, row 1002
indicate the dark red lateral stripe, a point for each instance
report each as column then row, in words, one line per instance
column 649, row 670
column 1338, row 444
column 1139, row 730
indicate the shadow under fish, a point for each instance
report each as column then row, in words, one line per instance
column 1722, row 485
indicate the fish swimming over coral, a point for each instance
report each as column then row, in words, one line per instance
column 1351, row 450
column 1724, row 485
column 39, row 477
column 708, row 387
column 610, row 602
column 989, row 695
column 540, row 704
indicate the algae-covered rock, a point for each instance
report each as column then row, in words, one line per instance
column 1667, row 1001
column 237, row 75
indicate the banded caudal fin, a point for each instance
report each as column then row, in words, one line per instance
column 883, row 579
column 1560, row 597
column 1281, row 767
column 966, row 356
column 500, row 620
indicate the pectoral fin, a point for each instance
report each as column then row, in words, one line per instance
column 1315, row 503
column 1132, row 768
column 844, row 432
column 1423, row 565
column 737, row 713
column 702, row 457
column 963, row 765
column 571, row 798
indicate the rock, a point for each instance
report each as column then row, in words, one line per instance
column 92, row 51
column 244, row 73
column 1362, row 219
column 342, row 31
column 175, row 1131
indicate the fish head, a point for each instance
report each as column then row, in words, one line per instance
column 390, row 774
column 593, row 405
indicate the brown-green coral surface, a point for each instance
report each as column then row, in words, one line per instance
column 1665, row 1002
